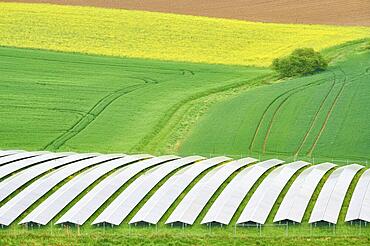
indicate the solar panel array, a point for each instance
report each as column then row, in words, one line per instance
column 37, row 187
column 331, row 197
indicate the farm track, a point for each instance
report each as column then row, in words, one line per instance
column 179, row 71
column 279, row 109
column 293, row 91
column 320, row 108
column 345, row 83
column 90, row 116
column 313, row 122
column 78, row 112
column 314, row 144
column 166, row 119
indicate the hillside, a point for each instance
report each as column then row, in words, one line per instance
column 60, row 101
column 155, row 106
column 324, row 115
column 130, row 124
column 335, row 12
column 161, row 36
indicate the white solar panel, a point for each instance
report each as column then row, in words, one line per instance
column 299, row 194
column 15, row 166
column 330, row 200
column 154, row 209
column 55, row 203
column 9, row 152
column 14, row 182
column 118, row 210
column 18, row 156
column 19, row 203
column 193, row 203
column 91, row 202
column 227, row 203
column 359, row 206
column 264, row 198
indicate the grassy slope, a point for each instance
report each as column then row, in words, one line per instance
column 76, row 102
column 331, row 105
column 161, row 36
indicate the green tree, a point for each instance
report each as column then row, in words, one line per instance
column 300, row 62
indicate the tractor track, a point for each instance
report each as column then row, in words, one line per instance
column 91, row 115
column 179, row 71
column 278, row 109
column 166, row 118
column 263, row 116
column 321, row 106
column 296, row 153
column 314, row 144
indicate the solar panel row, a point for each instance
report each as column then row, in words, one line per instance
column 119, row 183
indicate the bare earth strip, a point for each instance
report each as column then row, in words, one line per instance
column 336, row 12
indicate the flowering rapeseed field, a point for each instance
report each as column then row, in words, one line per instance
column 161, row 36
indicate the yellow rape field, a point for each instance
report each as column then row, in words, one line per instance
column 161, row 36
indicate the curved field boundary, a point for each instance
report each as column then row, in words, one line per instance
column 264, row 114
column 167, row 117
column 339, row 12
column 90, row 116
column 313, row 146
column 180, row 71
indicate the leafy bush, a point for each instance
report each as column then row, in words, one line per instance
column 300, row 62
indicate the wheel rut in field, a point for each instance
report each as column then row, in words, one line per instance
column 131, row 68
column 91, row 115
column 316, row 116
column 288, row 94
column 167, row 118
column 280, row 107
column 332, row 107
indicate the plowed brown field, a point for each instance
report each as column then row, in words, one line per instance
column 338, row 12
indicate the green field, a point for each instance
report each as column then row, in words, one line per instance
column 102, row 80
column 324, row 116
column 188, row 236
column 72, row 102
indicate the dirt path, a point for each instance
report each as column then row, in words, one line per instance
column 336, row 12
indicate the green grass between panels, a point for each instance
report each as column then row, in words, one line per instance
column 47, row 194
column 280, row 198
column 178, row 200
column 218, row 192
column 88, row 189
column 115, row 195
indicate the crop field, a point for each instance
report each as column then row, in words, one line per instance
column 81, row 82
column 330, row 122
column 120, row 116
column 338, row 12
column 161, row 36
column 58, row 101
